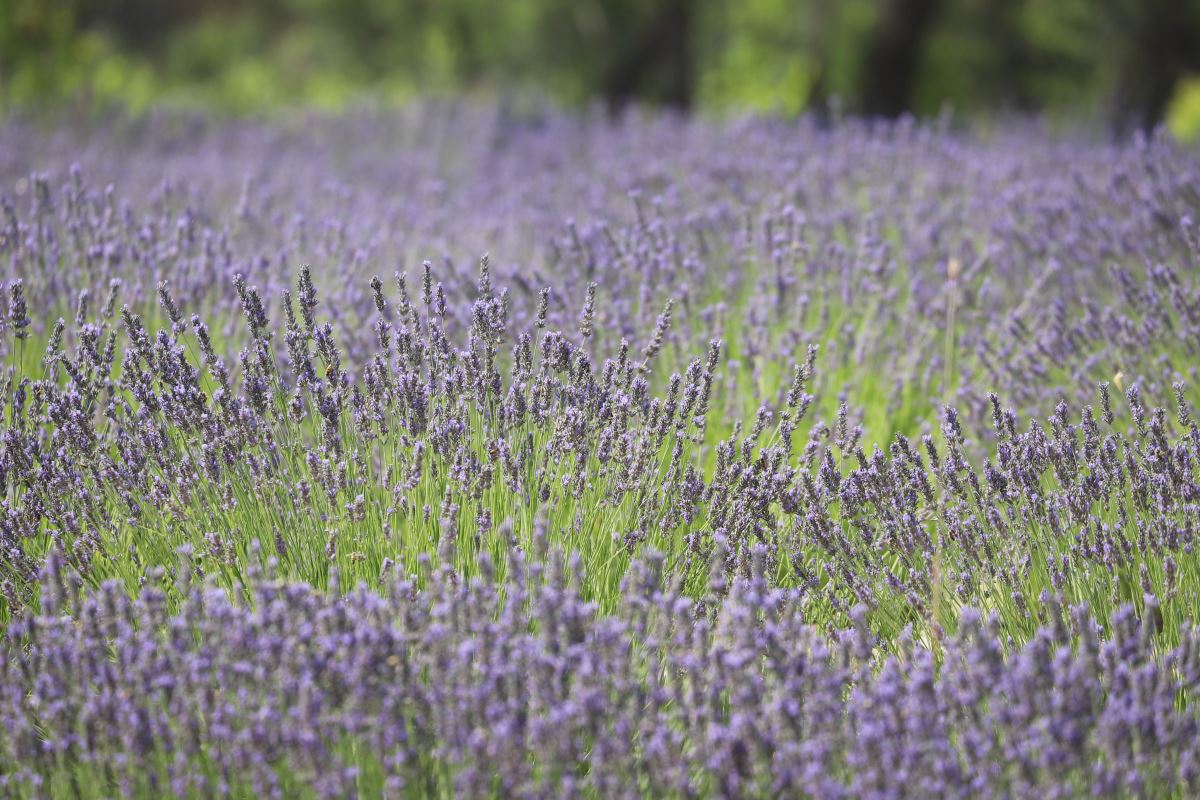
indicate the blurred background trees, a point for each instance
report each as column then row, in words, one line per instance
column 1129, row 63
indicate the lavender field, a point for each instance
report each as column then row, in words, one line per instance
column 462, row 452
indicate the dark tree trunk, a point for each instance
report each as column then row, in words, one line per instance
column 1162, row 44
column 658, row 65
column 893, row 56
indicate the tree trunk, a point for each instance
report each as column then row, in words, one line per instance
column 1162, row 44
column 659, row 65
column 893, row 56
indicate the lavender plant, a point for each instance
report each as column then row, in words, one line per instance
column 872, row 445
column 434, row 450
column 523, row 688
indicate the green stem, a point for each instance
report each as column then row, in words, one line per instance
column 948, row 354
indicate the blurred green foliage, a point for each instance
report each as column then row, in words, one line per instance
column 1131, row 62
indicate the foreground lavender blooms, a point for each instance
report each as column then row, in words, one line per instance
column 434, row 451
column 471, row 689
column 875, row 447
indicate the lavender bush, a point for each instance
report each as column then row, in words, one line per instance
column 470, row 688
column 873, row 446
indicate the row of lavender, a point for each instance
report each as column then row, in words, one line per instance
column 472, row 689
column 436, row 449
column 1070, row 258
column 796, row 400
